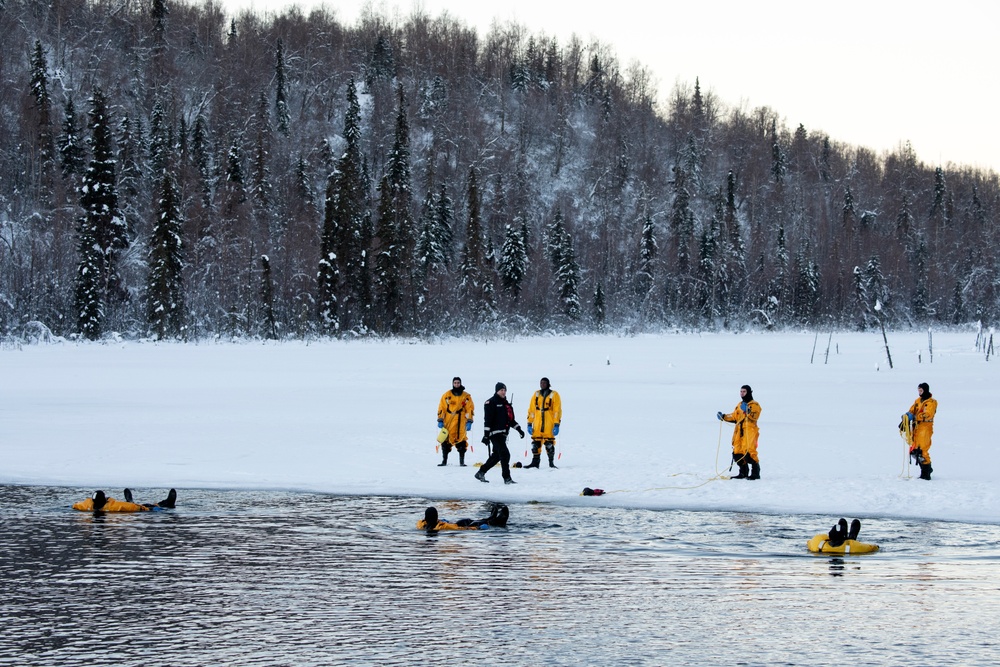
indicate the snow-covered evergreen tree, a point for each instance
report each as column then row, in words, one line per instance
column 164, row 285
column 71, row 152
column 43, row 108
column 394, row 234
column 268, row 323
column 646, row 275
column 280, row 84
column 102, row 233
column 564, row 266
column 476, row 284
column 513, row 260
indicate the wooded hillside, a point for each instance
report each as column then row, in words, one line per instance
column 169, row 171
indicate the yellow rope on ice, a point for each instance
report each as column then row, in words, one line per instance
column 718, row 475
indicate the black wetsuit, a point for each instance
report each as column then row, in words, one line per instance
column 498, row 419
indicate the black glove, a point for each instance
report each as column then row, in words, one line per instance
column 486, row 439
column 520, row 432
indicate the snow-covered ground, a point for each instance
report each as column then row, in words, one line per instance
column 639, row 419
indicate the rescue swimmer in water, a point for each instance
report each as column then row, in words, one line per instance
column 100, row 502
column 841, row 540
column 432, row 522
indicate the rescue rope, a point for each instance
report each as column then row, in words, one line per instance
column 907, row 435
column 718, row 475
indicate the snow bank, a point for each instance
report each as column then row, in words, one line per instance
column 639, row 419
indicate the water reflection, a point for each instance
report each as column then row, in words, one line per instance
column 271, row 578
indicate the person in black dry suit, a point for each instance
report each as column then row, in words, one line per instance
column 498, row 419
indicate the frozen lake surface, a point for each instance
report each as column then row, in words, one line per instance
column 280, row 578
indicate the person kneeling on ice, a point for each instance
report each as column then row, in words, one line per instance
column 497, row 519
column 745, row 435
column 498, row 419
column 102, row 503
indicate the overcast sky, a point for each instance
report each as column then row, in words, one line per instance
column 873, row 73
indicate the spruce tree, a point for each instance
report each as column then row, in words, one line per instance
column 444, row 216
column 387, row 277
column 352, row 219
column 600, row 310
column 43, row 108
column 564, row 266
column 164, row 286
column 261, row 190
column 280, row 94
column 269, row 324
column 200, row 156
column 71, row 152
column 513, row 261
column 475, row 283
column 328, row 274
column 394, row 233
column 102, row 233
column 648, row 248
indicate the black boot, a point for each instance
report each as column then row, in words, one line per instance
column 461, row 459
column 535, row 461
column 128, row 495
column 741, row 462
column 508, row 480
column 481, row 477
column 855, row 529
column 552, row 463
column 445, row 449
column 754, row 470
column 925, row 471
column 444, row 460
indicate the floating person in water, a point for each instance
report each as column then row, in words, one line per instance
column 102, row 503
column 170, row 502
column 497, row 519
column 841, row 540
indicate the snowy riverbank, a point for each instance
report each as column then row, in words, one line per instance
column 639, row 419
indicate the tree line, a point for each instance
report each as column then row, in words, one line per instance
column 172, row 172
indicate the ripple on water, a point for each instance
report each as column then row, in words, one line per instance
column 272, row 578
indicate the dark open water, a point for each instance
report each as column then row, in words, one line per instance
column 271, row 578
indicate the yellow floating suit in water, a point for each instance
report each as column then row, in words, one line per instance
column 820, row 544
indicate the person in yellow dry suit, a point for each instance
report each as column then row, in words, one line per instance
column 745, row 435
column 101, row 503
column 544, row 416
column 921, row 416
column 455, row 412
column 497, row 518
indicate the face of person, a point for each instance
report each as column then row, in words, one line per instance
column 920, row 391
column 743, row 392
column 456, row 383
column 543, row 384
column 502, row 392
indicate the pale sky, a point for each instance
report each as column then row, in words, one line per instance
column 875, row 73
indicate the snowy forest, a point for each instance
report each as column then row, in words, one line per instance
column 171, row 172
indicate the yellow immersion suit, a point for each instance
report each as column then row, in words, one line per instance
column 544, row 412
column 746, row 432
column 455, row 411
column 111, row 505
column 923, row 411
column 444, row 525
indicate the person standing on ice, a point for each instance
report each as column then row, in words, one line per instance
column 455, row 412
column 921, row 416
column 745, row 435
column 498, row 419
column 544, row 416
